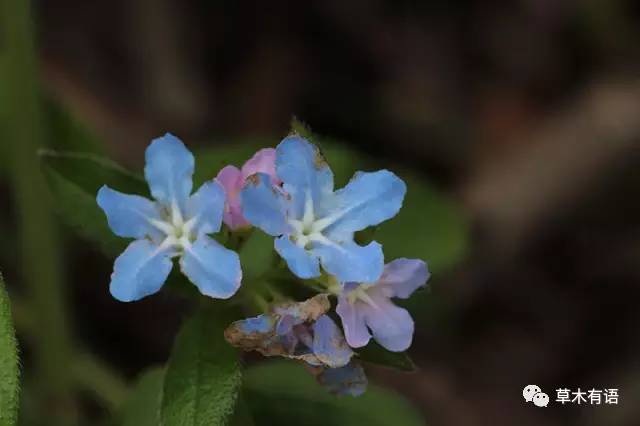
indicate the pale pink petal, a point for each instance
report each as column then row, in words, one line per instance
column 230, row 177
column 233, row 217
column 263, row 161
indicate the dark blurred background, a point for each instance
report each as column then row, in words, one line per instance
column 525, row 113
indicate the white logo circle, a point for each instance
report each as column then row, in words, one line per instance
column 541, row 399
column 529, row 391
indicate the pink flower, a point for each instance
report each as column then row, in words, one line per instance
column 233, row 179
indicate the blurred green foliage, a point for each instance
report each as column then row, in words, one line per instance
column 37, row 237
column 143, row 407
column 375, row 354
column 284, row 393
column 74, row 180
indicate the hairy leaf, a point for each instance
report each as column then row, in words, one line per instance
column 9, row 371
column 203, row 376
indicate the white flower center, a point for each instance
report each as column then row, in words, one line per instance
column 178, row 232
column 360, row 294
column 309, row 229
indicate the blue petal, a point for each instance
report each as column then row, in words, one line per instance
column 261, row 324
column 139, row 271
column 351, row 262
column 300, row 165
column 169, row 169
column 207, row 205
column 367, row 200
column 404, row 276
column 353, row 321
column 302, row 263
column 128, row 215
column 347, row 380
column 263, row 205
column 391, row 325
column 214, row 269
column 329, row 345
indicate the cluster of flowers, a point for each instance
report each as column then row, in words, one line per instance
column 288, row 193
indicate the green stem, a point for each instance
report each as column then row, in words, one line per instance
column 40, row 249
column 92, row 375
column 237, row 239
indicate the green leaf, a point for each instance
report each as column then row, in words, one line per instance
column 91, row 171
column 78, row 209
column 9, row 372
column 66, row 131
column 74, row 180
column 143, row 406
column 428, row 227
column 203, row 376
column 376, row 354
column 284, row 393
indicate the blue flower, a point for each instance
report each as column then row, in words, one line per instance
column 176, row 224
column 367, row 309
column 298, row 331
column 315, row 224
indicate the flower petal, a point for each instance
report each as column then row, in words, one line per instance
column 264, row 205
column 347, row 380
column 367, row 200
column 260, row 324
column 404, row 276
column 329, row 344
column 355, row 328
column 390, row 325
column 207, row 206
column 258, row 334
column 302, row 263
column 139, row 271
column 304, row 172
column 231, row 179
column 169, row 170
column 263, row 161
column 214, row 269
column 350, row 262
column 128, row 215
